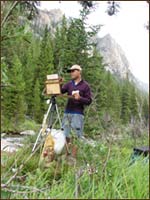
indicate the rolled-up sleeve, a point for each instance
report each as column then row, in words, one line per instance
column 87, row 98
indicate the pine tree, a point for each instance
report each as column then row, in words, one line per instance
column 125, row 103
column 46, row 59
column 36, row 103
column 110, row 92
column 29, row 78
column 45, row 64
column 145, row 111
column 14, row 100
column 77, row 43
column 113, row 102
column 73, row 43
column 95, row 74
column 133, row 103
column 60, row 46
column 117, row 101
column 57, row 48
column 29, row 66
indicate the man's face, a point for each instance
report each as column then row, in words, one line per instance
column 75, row 74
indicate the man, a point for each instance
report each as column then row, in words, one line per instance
column 74, row 112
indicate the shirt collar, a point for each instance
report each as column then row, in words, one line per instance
column 73, row 82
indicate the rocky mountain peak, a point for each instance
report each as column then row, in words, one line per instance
column 116, row 61
column 113, row 55
column 49, row 18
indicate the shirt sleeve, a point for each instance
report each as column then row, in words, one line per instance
column 64, row 88
column 87, row 99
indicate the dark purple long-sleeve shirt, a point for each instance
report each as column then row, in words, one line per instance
column 73, row 105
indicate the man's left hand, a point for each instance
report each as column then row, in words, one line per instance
column 77, row 96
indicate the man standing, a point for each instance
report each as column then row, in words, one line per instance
column 74, row 111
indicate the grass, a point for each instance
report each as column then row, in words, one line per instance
column 112, row 178
column 27, row 124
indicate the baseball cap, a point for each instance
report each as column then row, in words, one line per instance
column 75, row 67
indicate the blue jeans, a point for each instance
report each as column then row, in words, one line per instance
column 73, row 121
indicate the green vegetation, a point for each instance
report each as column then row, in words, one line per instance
column 109, row 161
column 117, row 119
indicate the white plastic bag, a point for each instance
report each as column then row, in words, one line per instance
column 59, row 139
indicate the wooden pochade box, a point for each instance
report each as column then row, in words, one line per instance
column 52, row 85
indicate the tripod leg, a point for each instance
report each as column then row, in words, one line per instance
column 36, row 140
column 49, row 108
column 43, row 124
column 66, row 144
column 51, row 117
column 58, row 115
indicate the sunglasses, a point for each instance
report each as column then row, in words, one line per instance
column 73, row 70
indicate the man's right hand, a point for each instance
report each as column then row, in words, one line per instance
column 61, row 80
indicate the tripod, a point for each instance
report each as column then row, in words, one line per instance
column 51, row 109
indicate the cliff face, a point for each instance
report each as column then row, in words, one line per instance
column 50, row 18
column 114, row 57
column 116, row 61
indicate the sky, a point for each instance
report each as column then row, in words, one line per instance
column 127, row 28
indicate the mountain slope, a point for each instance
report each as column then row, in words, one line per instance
column 116, row 61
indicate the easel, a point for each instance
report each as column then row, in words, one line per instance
column 51, row 109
